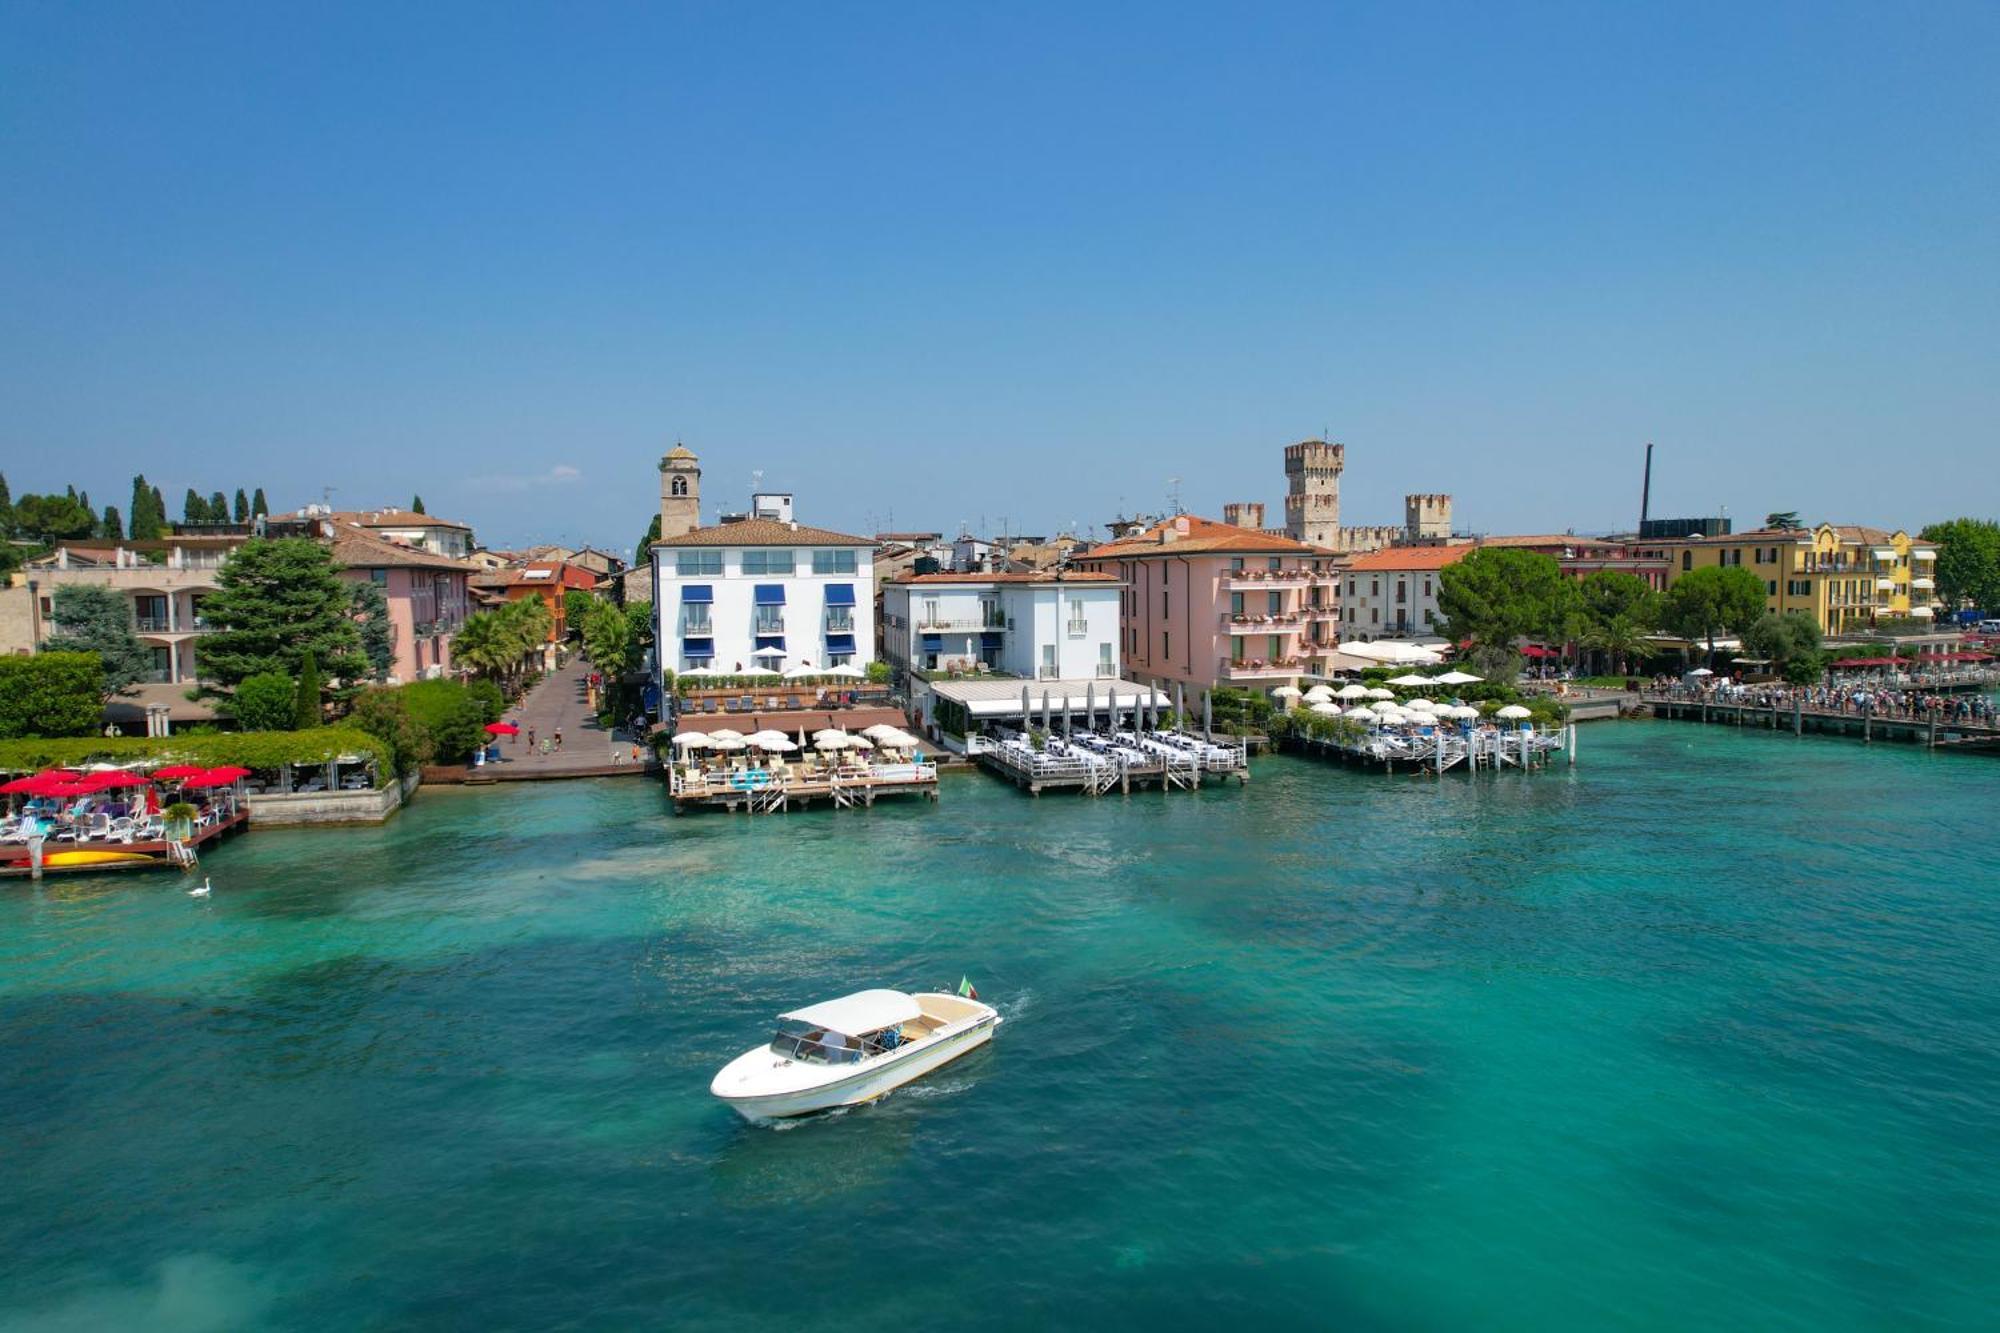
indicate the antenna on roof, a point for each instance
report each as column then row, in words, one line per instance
column 1174, row 495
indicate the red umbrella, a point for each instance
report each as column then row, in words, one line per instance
column 30, row 784
column 172, row 771
column 68, row 789
column 228, row 773
column 205, row 781
column 108, row 780
column 502, row 729
column 60, row 774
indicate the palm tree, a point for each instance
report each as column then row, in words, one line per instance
column 483, row 644
column 1619, row 637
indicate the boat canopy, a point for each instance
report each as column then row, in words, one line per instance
column 863, row 1011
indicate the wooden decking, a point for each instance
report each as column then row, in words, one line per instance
column 1440, row 751
column 16, row 862
column 1867, row 727
column 1067, row 766
column 765, row 791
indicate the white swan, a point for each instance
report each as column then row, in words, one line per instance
column 201, row 890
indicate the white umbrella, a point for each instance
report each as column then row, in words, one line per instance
column 1411, row 678
column 1318, row 694
column 1291, row 691
column 1379, row 693
column 1362, row 714
column 846, row 672
column 774, row 745
column 691, row 740
column 729, row 743
column 1326, row 709
column 824, row 732
column 1513, row 711
column 860, row 743
column 769, row 652
column 725, row 734
column 1466, row 711
column 1457, row 678
column 802, row 670
column 1701, row 671
column 894, row 739
column 838, row 740
column 1353, row 690
column 1420, row 706
column 699, row 673
column 879, row 730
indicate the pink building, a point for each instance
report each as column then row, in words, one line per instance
column 1210, row 603
column 425, row 592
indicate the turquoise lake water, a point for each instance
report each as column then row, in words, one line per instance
column 1699, row 1034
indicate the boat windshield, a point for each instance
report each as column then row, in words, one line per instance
column 803, row 1041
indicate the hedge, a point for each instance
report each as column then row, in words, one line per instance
column 61, row 693
column 249, row 749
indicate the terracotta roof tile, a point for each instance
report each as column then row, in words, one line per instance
column 358, row 549
column 1410, row 557
column 1204, row 536
column 1041, row 576
column 764, row 532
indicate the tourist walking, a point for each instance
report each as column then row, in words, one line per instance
column 558, row 740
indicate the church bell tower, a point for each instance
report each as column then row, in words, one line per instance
column 680, row 492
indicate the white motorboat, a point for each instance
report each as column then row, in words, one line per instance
column 851, row 1050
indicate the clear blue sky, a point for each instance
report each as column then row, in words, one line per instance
column 966, row 261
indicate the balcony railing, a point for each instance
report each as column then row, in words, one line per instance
column 962, row 625
column 152, row 624
column 1264, row 578
column 1278, row 622
column 1107, row 670
column 1078, row 628
column 1257, row 668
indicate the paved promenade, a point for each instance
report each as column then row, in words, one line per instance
column 560, row 703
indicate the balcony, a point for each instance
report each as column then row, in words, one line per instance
column 1078, row 628
column 1283, row 622
column 1239, row 579
column 1258, row 668
column 1107, row 671
column 961, row 625
column 152, row 624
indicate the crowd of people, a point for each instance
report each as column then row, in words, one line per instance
column 1857, row 699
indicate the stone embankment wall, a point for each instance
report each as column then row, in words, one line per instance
column 330, row 807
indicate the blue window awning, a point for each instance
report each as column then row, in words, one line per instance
column 991, row 638
column 770, row 594
column 840, row 594
column 771, row 641
column 697, row 647
column 933, row 643
column 840, row 643
column 698, row 592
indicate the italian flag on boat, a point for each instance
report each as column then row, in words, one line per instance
column 967, row 989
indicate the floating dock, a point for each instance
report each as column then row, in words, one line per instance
column 1095, row 764
column 17, row 860
column 767, row 791
column 1863, row 725
column 1440, row 751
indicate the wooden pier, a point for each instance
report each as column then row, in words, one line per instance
column 1864, row 725
column 17, row 860
column 1441, row 751
column 1095, row 774
column 767, row 791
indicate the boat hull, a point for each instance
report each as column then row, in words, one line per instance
column 864, row 1085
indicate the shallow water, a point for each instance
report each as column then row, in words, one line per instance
column 1701, row 1033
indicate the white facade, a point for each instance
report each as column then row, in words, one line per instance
column 1040, row 628
column 717, row 606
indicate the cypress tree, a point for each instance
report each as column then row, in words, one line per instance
column 83, row 498
column 242, row 506
column 308, row 696
column 72, row 492
column 6, row 508
column 258, row 509
column 113, row 527
column 143, row 527
column 416, row 504
column 194, row 509
column 159, row 513
column 218, row 508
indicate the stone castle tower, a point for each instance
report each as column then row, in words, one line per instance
column 1312, row 491
column 680, row 492
column 1244, row 514
column 1426, row 518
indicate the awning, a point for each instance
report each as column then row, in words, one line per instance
column 933, row 643
column 1885, row 553
column 991, row 638
column 840, row 643
column 698, row 647
column 840, row 594
column 771, row 641
column 698, row 592
column 1923, row 553
column 770, row 594
column 858, row 1014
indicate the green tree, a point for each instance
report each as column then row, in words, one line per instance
column 416, row 504
column 160, row 512
column 265, row 701
column 1784, row 520
column 194, row 509
column 1790, row 641
column 1497, row 594
column 307, row 704
column 51, row 694
column 452, row 716
column 99, row 620
column 6, row 509
column 218, row 508
column 1968, row 562
column 1704, row 602
column 576, row 606
column 83, row 498
column 384, row 714
column 371, row 613
column 258, row 509
column 607, row 638
column 52, row 518
column 276, row 601
column 640, row 556
column 145, row 523
column 482, row 644
column 242, row 509
column 112, row 528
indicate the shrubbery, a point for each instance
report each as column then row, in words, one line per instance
column 250, row 749
column 264, row 702
column 452, row 716
column 51, row 694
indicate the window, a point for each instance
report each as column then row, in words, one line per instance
column 1236, row 564
column 695, row 619
column 1771, row 587
column 680, row 486
column 840, row 659
column 1274, row 602
column 1275, row 563
column 1402, row 591
column 834, row 562
column 1166, row 644
column 1275, row 647
column 1376, row 590
column 769, row 562
column 1078, row 622
column 378, row 576
column 769, row 620
column 840, row 619
column 1687, row 561
column 698, row 563
column 1049, row 661
column 1235, row 603
column 1163, row 601
column 1105, row 665
column 1427, row 585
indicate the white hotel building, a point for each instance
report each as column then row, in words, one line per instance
column 761, row 592
column 1048, row 626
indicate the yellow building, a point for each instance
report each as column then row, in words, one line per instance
column 1845, row 576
